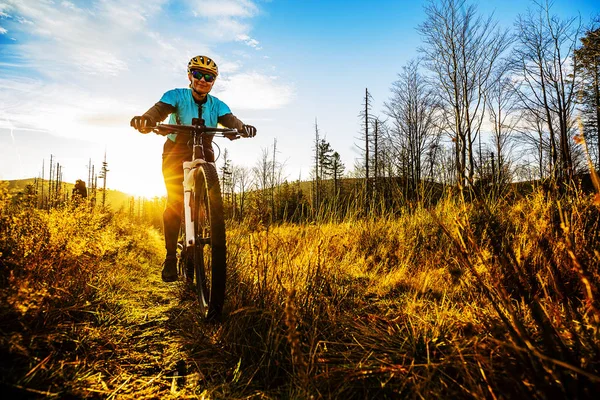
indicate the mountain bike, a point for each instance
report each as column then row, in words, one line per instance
column 202, row 256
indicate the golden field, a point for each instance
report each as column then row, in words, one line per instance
column 488, row 299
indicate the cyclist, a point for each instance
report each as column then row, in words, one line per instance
column 183, row 105
column 79, row 190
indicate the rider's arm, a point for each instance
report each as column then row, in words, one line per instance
column 231, row 121
column 159, row 112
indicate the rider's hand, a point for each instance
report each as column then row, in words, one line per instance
column 230, row 136
column 142, row 124
column 249, row 131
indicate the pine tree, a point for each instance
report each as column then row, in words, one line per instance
column 337, row 169
column 226, row 177
column 588, row 65
column 325, row 153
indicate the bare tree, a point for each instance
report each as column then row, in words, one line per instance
column 243, row 182
column 461, row 49
column 273, row 178
column 262, row 173
column 533, row 135
column 366, row 118
column 317, row 185
column 504, row 116
column 546, row 80
column 233, row 184
column 412, row 109
column 379, row 150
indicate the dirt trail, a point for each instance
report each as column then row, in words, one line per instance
column 148, row 346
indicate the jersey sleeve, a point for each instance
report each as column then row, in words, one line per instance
column 222, row 109
column 231, row 121
column 159, row 111
column 170, row 97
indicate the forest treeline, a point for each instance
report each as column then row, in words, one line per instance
column 480, row 108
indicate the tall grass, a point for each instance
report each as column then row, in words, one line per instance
column 59, row 269
column 490, row 299
column 482, row 300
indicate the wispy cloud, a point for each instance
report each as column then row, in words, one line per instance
column 68, row 4
column 224, row 8
column 249, row 41
column 99, row 62
column 3, row 30
column 110, row 37
column 223, row 20
column 255, row 91
column 33, row 104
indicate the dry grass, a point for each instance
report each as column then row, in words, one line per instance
column 487, row 300
column 458, row 301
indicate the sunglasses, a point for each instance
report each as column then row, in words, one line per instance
column 199, row 75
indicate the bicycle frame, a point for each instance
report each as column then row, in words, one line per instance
column 203, row 254
column 195, row 131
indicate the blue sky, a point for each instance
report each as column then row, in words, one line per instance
column 73, row 73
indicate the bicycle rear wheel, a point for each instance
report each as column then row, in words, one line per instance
column 209, row 252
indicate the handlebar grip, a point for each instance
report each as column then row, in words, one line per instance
column 165, row 129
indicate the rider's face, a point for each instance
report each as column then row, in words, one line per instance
column 200, row 85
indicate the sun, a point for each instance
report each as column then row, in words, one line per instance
column 148, row 187
column 135, row 166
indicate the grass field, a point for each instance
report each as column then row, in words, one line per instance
column 480, row 300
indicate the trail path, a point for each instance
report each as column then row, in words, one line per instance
column 146, row 350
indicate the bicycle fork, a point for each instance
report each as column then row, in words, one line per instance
column 190, row 169
column 189, row 175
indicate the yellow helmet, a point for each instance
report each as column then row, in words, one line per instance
column 203, row 64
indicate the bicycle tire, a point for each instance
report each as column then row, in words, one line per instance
column 210, row 248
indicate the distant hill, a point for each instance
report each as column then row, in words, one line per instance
column 114, row 198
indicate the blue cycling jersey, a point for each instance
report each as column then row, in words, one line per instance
column 186, row 108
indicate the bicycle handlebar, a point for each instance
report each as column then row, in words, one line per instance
column 165, row 129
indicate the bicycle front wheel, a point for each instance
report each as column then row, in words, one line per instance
column 185, row 262
column 210, row 249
